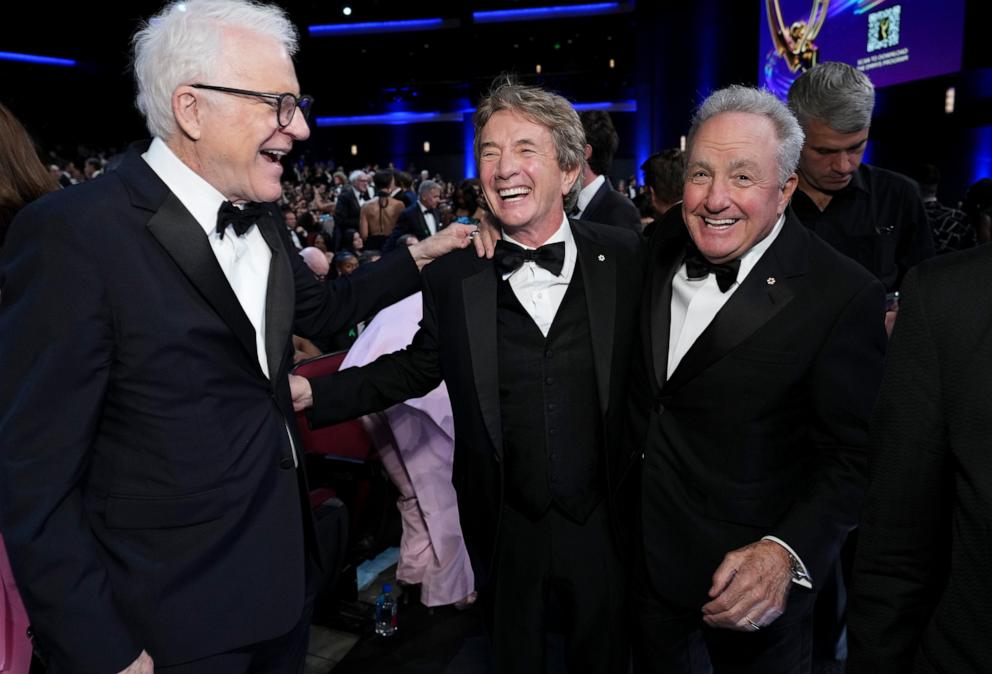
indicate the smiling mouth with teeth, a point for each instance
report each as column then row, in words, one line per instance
column 726, row 222
column 273, row 155
column 513, row 193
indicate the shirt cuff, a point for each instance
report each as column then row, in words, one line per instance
column 806, row 579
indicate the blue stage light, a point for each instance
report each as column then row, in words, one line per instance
column 377, row 27
column 391, row 118
column 540, row 13
column 31, row 58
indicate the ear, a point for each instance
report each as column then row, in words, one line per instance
column 569, row 177
column 787, row 191
column 187, row 110
column 588, row 151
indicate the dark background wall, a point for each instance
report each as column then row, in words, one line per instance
column 666, row 57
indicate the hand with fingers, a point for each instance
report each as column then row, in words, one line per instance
column 750, row 588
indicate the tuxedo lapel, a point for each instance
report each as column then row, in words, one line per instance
column 183, row 239
column 279, row 299
column 768, row 288
column 665, row 261
column 597, row 265
column 479, row 297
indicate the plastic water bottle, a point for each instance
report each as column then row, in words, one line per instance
column 385, row 612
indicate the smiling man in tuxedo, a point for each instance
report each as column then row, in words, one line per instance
column 762, row 354
column 534, row 346
column 153, row 502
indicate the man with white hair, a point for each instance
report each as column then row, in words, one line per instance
column 763, row 352
column 349, row 205
column 153, row 501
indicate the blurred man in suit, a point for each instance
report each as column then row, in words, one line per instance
column 762, row 353
column 349, row 204
column 153, row 505
column 919, row 601
column 598, row 200
column 421, row 219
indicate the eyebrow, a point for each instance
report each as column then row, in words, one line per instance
column 744, row 164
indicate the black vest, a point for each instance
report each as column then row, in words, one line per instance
column 549, row 407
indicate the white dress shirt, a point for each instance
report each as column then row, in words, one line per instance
column 428, row 218
column 538, row 290
column 695, row 303
column 587, row 193
column 243, row 259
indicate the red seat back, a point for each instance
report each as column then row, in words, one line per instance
column 349, row 440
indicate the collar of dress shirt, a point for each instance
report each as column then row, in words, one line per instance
column 585, row 196
column 199, row 197
column 563, row 233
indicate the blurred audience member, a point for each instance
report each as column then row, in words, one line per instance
column 949, row 226
column 345, row 263
column 978, row 207
column 378, row 218
column 466, row 207
column 664, row 176
column 404, row 181
column 422, row 219
column 415, row 442
column 598, row 201
column 349, row 204
column 316, row 260
column 23, row 178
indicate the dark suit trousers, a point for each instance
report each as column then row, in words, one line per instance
column 285, row 654
column 670, row 639
column 553, row 565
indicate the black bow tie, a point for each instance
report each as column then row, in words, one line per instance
column 242, row 219
column 509, row 257
column 698, row 267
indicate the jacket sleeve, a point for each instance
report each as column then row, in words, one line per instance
column 904, row 544
column 57, row 339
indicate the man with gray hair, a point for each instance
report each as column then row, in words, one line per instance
column 420, row 219
column 534, row 347
column 763, row 350
column 872, row 215
column 153, row 501
column 349, row 204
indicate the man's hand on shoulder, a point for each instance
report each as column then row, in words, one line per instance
column 750, row 588
column 143, row 665
column 452, row 237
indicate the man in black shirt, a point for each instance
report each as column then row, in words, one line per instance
column 870, row 214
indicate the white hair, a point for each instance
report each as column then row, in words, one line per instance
column 738, row 98
column 357, row 175
column 182, row 44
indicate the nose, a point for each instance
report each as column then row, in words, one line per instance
column 506, row 167
column 844, row 163
column 297, row 129
column 717, row 197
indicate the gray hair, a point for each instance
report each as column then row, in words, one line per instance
column 839, row 95
column 738, row 98
column 357, row 175
column 427, row 185
column 182, row 44
column 544, row 108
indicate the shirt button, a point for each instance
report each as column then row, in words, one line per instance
column 552, row 407
column 549, row 381
column 553, row 431
column 549, row 354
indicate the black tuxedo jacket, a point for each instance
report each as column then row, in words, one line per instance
column 457, row 343
column 411, row 221
column 763, row 427
column 609, row 207
column 920, row 597
column 149, row 494
column 347, row 210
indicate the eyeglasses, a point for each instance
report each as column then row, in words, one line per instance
column 286, row 104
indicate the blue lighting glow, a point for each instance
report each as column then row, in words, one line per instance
column 31, row 58
column 541, row 13
column 391, row 118
column 981, row 159
column 404, row 117
column 617, row 106
column 376, row 27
